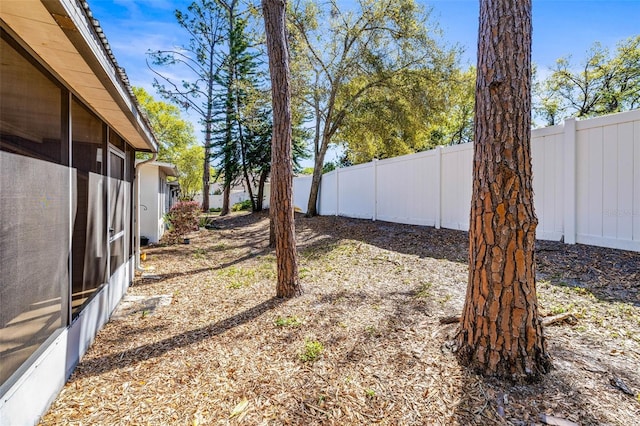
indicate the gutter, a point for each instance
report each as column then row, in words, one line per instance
column 137, row 231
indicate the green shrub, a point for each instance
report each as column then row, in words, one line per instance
column 182, row 219
column 312, row 351
column 243, row 205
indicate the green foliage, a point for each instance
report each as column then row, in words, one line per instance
column 329, row 166
column 198, row 61
column 182, row 218
column 290, row 321
column 242, row 205
column 603, row 83
column 172, row 132
column 177, row 142
column 189, row 162
column 342, row 56
column 311, row 351
column 238, row 277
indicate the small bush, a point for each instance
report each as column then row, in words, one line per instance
column 182, row 219
column 215, row 209
column 312, row 351
column 243, row 205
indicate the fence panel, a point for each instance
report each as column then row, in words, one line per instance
column 547, row 163
column 586, row 182
column 328, row 197
column 457, row 183
column 607, row 206
column 407, row 189
column 301, row 189
column 356, row 191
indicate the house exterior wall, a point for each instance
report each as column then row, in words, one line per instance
column 151, row 203
column 66, row 199
column 156, row 199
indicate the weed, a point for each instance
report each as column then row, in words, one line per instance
column 243, row 205
column 559, row 309
column 145, row 313
column 312, row 351
column 199, row 253
column 424, row 291
column 370, row 393
column 237, row 277
column 235, row 284
column 290, row 321
column 582, row 291
column 446, row 298
column 303, row 273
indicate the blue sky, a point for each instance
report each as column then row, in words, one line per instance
column 560, row 28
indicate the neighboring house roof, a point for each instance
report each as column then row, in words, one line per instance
column 168, row 168
column 66, row 37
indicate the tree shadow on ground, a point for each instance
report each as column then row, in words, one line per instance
column 156, row 278
column 414, row 240
column 100, row 365
column 489, row 400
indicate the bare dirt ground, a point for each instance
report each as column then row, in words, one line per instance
column 362, row 346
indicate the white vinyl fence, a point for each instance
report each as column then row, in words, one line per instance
column 586, row 180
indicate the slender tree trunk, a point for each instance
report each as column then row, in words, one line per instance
column 281, row 151
column 316, row 178
column 260, row 197
column 500, row 333
column 226, row 195
column 206, row 177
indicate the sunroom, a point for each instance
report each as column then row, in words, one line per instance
column 69, row 130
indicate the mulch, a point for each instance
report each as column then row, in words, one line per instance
column 364, row 343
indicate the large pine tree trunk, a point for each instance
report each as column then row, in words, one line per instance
column 500, row 333
column 281, row 151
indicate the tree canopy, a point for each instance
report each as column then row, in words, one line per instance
column 342, row 55
column 603, row 83
column 172, row 131
column 177, row 142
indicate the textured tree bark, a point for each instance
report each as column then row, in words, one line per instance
column 281, row 151
column 500, row 333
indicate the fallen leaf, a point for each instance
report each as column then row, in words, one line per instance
column 242, row 405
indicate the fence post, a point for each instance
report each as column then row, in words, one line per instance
column 337, row 191
column 375, row 189
column 438, row 186
column 569, row 140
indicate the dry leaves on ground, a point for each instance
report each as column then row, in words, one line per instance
column 363, row 345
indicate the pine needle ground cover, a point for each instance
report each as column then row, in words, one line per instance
column 363, row 345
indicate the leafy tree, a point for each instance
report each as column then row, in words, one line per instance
column 172, row 131
column 413, row 111
column 453, row 123
column 203, row 21
column 281, row 152
column 500, row 333
column 230, row 146
column 188, row 160
column 177, row 141
column 602, row 84
column 368, row 45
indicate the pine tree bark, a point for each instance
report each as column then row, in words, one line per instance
column 281, row 202
column 500, row 333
